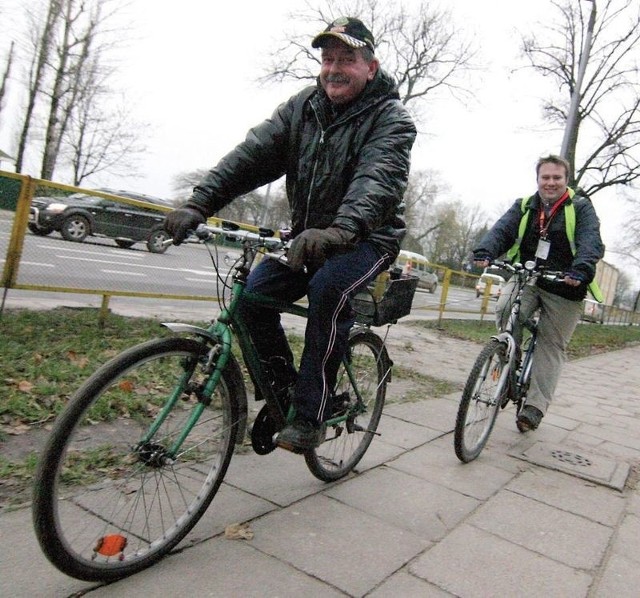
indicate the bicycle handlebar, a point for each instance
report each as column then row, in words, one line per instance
column 532, row 269
column 263, row 238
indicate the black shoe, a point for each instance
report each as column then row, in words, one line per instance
column 529, row 418
column 300, row 436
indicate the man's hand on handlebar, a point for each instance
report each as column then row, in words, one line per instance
column 181, row 221
column 481, row 261
column 313, row 246
column 574, row 279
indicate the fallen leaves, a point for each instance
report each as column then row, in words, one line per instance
column 238, row 531
column 24, row 386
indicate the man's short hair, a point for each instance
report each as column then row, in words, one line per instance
column 553, row 159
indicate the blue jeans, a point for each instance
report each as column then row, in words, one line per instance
column 329, row 290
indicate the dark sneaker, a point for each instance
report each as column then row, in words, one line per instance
column 300, row 436
column 529, row 418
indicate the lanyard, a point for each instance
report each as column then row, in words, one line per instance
column 542, row 216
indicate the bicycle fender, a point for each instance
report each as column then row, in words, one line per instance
column 507, row 339
column 190, row 329
column 243, row 407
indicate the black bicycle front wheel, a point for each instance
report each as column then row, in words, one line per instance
column 362, row 395
column 112, row 494
column 480, row 402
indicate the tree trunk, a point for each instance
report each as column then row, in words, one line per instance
column 41, row 56
column 5, row 77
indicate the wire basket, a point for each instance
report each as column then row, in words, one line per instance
column 388, row 309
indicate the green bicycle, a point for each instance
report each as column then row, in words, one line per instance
column 141, row 449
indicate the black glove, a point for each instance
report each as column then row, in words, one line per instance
column 179, row 222
column 482, row 257
column 314, row 245
column 575, row 275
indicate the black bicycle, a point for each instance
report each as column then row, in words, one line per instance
column 501, row 372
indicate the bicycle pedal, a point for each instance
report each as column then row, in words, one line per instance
column 263, row 432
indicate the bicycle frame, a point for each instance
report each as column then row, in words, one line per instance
column 486, row 390
column 521, row 377
column 219, row 335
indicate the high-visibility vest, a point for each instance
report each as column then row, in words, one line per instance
column 513, row 255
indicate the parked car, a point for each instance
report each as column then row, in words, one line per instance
column 81, row 215
column 593, row 311
column 418, row 265
column 497, row 282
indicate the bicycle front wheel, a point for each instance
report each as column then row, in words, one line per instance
column 480, row 401
column 112, row 492
column 360, row 389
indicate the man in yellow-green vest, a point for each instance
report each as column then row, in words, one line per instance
column 560, row 229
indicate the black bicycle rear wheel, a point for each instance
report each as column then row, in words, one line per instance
column 363, row 396
column 480, row 402
column 111, row 497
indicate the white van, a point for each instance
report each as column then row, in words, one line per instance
column 490, row 276
column 418, row 265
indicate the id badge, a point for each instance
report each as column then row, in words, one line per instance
column 542, row 252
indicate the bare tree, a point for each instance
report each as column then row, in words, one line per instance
column 184, row 183
column 624, row 290
column 460, row 226
column 42, row 39
column 5, row 76
column 98, row 139
column 419, row 209
column 73, row 50
column 628, row 246
column 423, row 49
column 69, row 89
column 279, row 215
column 603, row 143
column 247, row 208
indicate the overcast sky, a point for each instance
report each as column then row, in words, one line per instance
column 190, row 73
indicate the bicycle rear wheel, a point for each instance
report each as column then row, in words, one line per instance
column 480, row 401
column 110, row 497
column 363, row 396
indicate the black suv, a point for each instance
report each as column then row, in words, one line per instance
column 81, row 215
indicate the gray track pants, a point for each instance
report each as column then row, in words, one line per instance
column 558, row 320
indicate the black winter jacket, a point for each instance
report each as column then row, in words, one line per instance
column 589, row 246
column 347, row 168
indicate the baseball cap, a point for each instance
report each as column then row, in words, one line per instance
column 349, row 30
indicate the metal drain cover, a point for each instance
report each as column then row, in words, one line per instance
column 577, row 462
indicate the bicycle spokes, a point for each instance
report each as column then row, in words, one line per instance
column 360, row 393
column 481, row 398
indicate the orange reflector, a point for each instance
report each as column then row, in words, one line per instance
column 111, row 545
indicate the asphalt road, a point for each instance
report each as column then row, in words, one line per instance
column 186, row 270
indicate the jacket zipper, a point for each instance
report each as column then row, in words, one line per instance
column 315, row 167
column 320, row 143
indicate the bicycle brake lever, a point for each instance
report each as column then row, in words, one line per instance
column 281, row 256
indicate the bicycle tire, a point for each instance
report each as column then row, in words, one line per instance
column 347, row 442
column 107, row 505
column 480, row 402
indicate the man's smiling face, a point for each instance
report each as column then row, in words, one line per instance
column 552, row 182
column 344, row 72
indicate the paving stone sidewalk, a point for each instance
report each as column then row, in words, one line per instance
column 550, row 513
